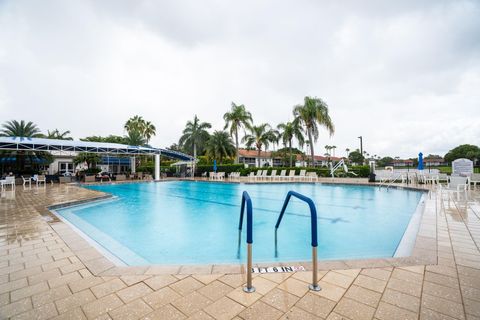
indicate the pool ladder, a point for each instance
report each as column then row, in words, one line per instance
column 313, row 224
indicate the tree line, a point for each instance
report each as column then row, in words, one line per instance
column 303, row 128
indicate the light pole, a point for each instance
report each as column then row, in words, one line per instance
column 361, row 145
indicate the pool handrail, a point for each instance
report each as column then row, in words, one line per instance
column 246, row 199
column 313, row 223
column 313, row 214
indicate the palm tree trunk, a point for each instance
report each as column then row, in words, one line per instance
column 237, row 158
column 194, row 157
column 258, row 156
column 291, row 154
column 311, row 146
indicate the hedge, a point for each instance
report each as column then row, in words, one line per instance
column 361, row 171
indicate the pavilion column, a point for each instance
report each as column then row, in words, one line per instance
column 157, row 167
column 132, row 165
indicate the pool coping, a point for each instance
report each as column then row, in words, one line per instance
column 424, row 251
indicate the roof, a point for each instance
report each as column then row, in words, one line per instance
column 41, row 144
column 254, row 153
column 318, row 158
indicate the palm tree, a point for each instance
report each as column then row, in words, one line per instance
column 333, row 148
column 22, row 128
column 347, row 150
column 15, row 128
column 56, row 134
column 312, row 114
column 237, row 118
column 289, row 131
column 195, row 134
column 220, row 145
column 327, row 149
column 136, row 123
column 135, row 138
column 149, row 130
column 259, row 136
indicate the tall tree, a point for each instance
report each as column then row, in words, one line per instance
column 20, row 128
column 135, row 138
column 149, row 130
column 312, row 114
column 236, row 119
column 220, row 146
column 145, row 128
column 56, row 134
column 289, row 131
column 195, row 134
column 91, row 159
column 135, row 123
column 259, row 136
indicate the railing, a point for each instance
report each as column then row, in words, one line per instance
column 313, row 222
column 336, row 167
column 246, row 199
column 388, row 183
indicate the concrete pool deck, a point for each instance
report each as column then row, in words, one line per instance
column 49, row 271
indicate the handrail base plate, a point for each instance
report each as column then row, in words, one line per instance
column 314, row 287
column 249, row 290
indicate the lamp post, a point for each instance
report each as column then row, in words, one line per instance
column 361, row 145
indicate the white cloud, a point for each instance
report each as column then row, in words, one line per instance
column 403, row 75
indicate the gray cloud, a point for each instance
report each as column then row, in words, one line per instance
column 405, row 75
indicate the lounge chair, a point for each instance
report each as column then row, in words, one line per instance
column 251, row 176
column 273, row 174
column 302, row 175
column 291, row 175
column 27, row 180
column 258, row 175
column 212, row 175
column 7, row 181
column 283, row 175
column 264, row 175
column 311, row 176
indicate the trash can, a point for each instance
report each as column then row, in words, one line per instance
column 371, row 177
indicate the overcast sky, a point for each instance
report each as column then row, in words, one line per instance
column 403, row 74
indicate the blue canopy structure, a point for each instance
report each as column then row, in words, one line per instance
column 420, row 161
column 41, row 144
column 49, row 145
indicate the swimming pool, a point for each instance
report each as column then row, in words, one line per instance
column 186, row 222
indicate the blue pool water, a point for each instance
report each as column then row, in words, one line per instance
column 182, row 222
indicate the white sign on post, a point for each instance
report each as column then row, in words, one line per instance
column 463, row 167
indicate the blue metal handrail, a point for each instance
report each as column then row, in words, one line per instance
column 313, row 214
column 246, row 199
column 313, row 223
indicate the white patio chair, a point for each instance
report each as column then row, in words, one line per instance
column 8, row 181
column 41, row 179
column 455, row 184
column 283, row 175
column 475, row 178
column 27, row 180
column 251, row 176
